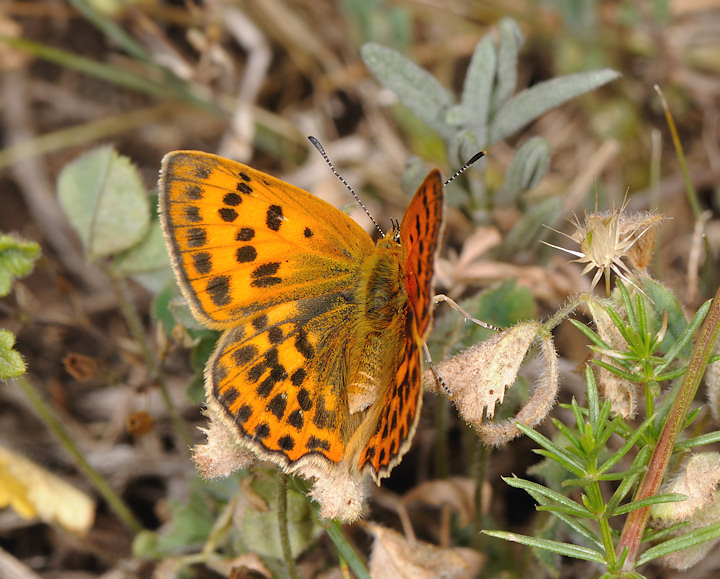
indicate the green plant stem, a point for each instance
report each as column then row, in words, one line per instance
column 689, row 187
column 479, row 474
column 649, row 486
column 346, row 550
column 596, row 498
column 283, row 525
column 564, row 313
column 162, row 87
column 54, row 425
column 442, row 410
column 94, row 130
column 135, row 325
column 111, row 30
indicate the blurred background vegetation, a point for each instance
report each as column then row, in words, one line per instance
column 249, row 80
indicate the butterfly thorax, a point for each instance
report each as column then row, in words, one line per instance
column 384, row 292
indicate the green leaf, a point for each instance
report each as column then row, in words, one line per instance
column 529, row 166
column 532, row 226
column 415, row 172
column 462, row 146
column 258, row 523
column 663, row 300
column 17, row 258
column 566, row 549
column 686, row 541
column 559, row 501
column 104, row 199
column 511, row 39
column 503, row 305
column 11, row 363
column 709, row 438
column 148, row 261
column 528, row 105
column 416, row 88
column 474, row 109
column 653, row 500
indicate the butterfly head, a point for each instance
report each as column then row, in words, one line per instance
column 395, row 230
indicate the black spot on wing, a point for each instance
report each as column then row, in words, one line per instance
column 227, row 214
column 274, row 217
column 277, row 406
column 218, row 288
column 244, row 188
column 315, row 443
column 202, row 261
column 245, row 234
column 286, row 442
column 232, row 199
column 192, row 214
column 196, row 237
column 246, row 254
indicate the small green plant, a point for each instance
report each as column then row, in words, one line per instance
column 669, row 495
column 17, row 259
column 594, row 467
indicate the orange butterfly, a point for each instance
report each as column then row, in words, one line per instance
column 319, row 363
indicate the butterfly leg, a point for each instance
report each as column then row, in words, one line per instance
column 439, row 379
column 467, row 317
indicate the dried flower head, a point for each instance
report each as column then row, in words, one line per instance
column 477, row 378
column 607, row 236
column 697, row 477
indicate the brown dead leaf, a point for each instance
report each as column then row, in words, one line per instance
column 394, row 557
column 457, row 493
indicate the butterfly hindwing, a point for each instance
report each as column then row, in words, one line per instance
column 281, row 380
column 394, row 416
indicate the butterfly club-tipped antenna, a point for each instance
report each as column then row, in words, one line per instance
column 461, row 170
column 320, row 148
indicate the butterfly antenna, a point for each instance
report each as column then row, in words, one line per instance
column 319, row 147
column 462, row 169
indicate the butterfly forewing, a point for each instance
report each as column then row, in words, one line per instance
column 275, row 267
column 241, row 240
column 420, row 233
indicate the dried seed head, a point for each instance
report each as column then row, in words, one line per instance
column 621, row 392
column 712, row 379
column 607, row 236
column 697, row 478
column 478, row 377
column 222, row 455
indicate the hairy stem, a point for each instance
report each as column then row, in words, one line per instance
column 632, row 532
column 283, row 525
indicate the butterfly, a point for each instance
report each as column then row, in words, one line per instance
column 319, row 362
